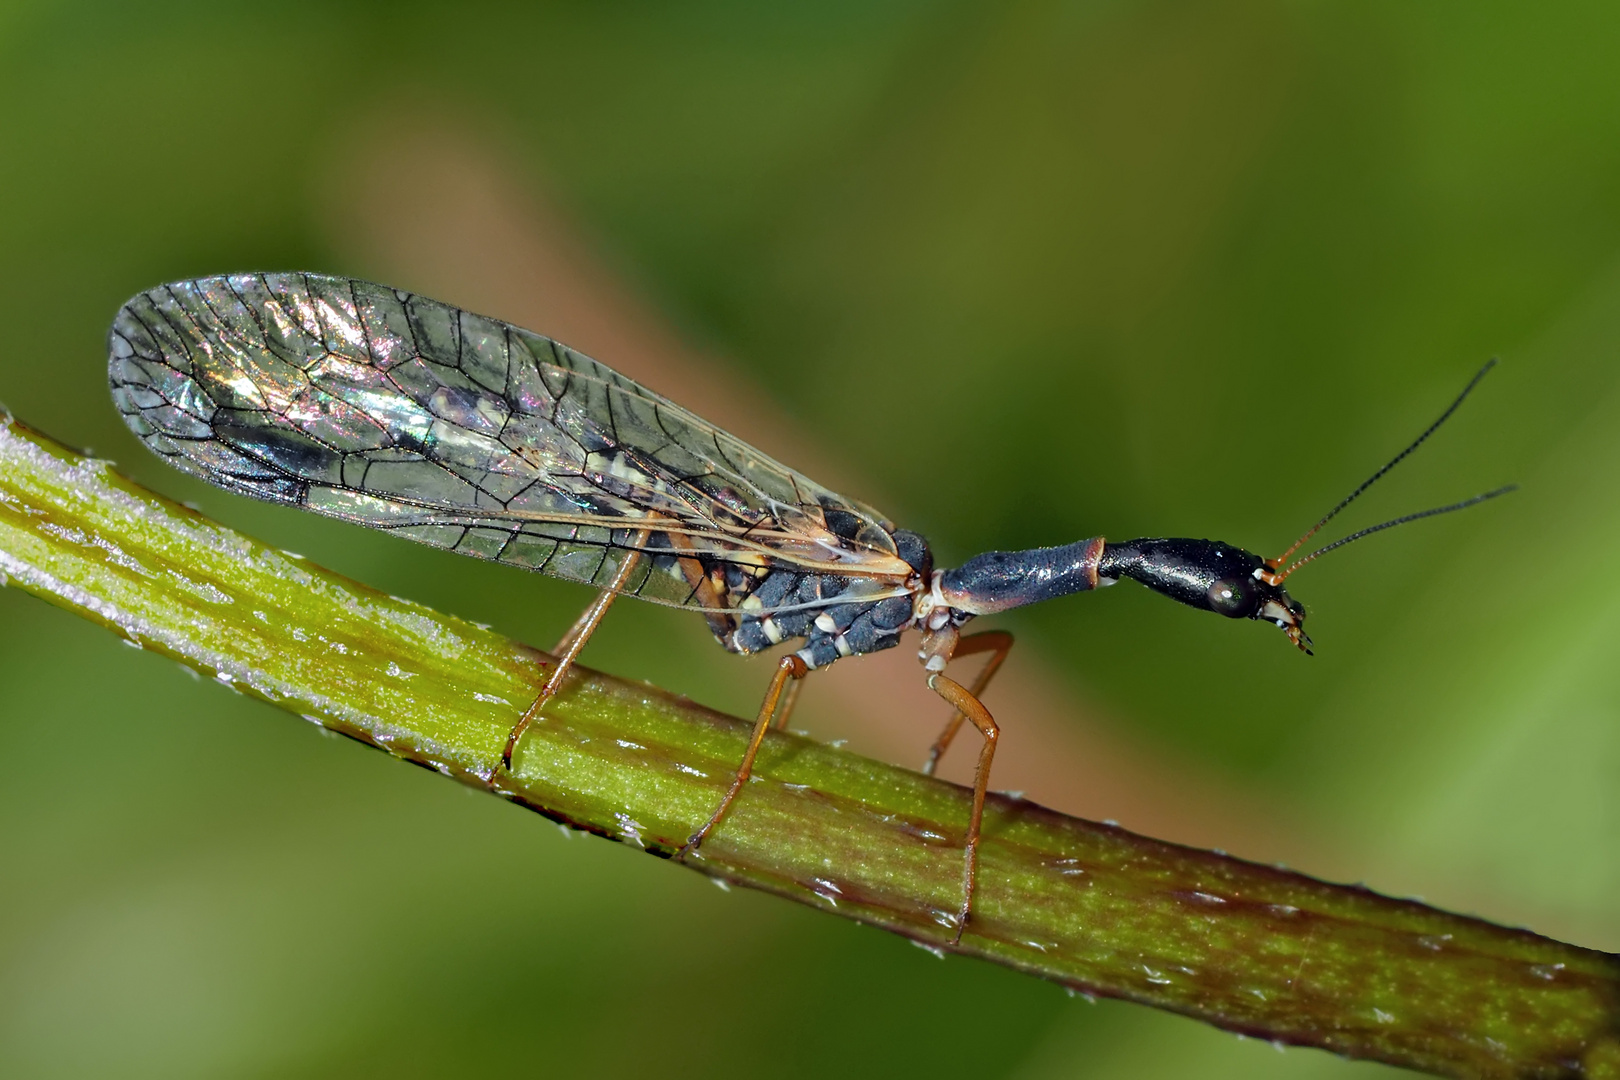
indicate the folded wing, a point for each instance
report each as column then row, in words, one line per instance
column 403, row 413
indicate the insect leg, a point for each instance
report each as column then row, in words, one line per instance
column 970, row 706
column 585, row 623
column 790, row 698
column 791, row 667
column 573, row 643
column 996, row 642
column 703, row 589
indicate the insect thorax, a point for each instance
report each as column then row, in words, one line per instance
column 836, row 616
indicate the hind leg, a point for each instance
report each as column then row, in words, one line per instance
column 569, row 648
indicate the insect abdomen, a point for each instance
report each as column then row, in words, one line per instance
column 788, row 605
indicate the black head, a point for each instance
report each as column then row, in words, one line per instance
column 1239, row 584
column 1210, row 575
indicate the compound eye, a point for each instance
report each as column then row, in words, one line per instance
column 1233, row 597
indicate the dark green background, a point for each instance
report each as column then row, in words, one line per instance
column 1037, row 271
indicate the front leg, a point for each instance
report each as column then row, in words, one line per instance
column 998, row 643
column 969, row 706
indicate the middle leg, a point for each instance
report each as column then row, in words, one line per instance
column 791, row 667
column 790, row 698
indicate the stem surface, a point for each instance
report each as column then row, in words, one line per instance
column 1249, row 948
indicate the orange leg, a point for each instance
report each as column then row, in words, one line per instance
column 969, row 706
column 791, row 667
column 569, row 648
column 790, row 698
column 585, row 624
column 996, row 642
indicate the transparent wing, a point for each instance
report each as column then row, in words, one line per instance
column 402, row 413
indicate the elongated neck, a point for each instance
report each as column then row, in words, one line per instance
column 1000, row 580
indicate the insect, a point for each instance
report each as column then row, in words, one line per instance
column 402, row 413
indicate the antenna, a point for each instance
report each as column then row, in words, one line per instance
column 1277, row 578
column 1465, row 504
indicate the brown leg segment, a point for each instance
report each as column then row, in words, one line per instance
column 790, row 698
column 969, row 706
column 714, row 609
column 791, row 667
column 569, row 648
column 996, row 642
column 584, row 624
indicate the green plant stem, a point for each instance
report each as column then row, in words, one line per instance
column 1249, row 948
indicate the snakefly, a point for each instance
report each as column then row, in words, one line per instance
column 391, row 410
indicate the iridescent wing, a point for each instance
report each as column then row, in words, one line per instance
column 402, row 413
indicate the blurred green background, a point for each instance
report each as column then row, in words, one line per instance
column 1026, row 272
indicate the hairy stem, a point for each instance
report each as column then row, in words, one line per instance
column 1248, row 948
